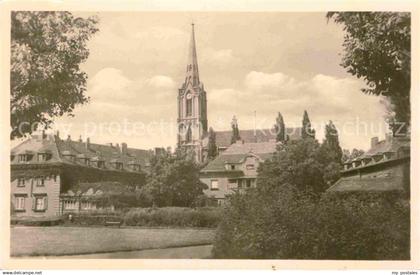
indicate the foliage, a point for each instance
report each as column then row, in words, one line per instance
column 355, row 153
column 377, row 49
column 47, row 49
column 307, row 131
column 289, row 224
column 331, row 143
column 212, row 147
column 299, row 164
column 173, row 180
column 280, row 129
column 235, row 131
column 173, row 216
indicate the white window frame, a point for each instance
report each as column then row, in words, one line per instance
column 21, row 182
column 214, row 184
column 42, row 206
column 19, row 203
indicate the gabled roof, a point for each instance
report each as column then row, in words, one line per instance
column 237, row 152
column 223, row 138
column 92, row 151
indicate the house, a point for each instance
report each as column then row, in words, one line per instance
column 385, row 167
column 235, row 169
column 45, row 167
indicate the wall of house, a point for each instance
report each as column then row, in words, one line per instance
column 223, row 190
column 50, row 190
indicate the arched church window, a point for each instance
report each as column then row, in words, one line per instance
column 189, row 104
column 188, row 137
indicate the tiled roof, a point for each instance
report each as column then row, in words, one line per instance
column 355, row 184
column 59, row 148
column 238, row 151
column 223, row 138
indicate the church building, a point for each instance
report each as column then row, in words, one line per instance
column 192, row 106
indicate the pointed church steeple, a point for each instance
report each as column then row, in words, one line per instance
column 192, row 65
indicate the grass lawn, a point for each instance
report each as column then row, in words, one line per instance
column 44, row 241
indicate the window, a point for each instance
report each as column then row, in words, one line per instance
column 189, row 107
column 44, row 156
column 19, row 203
column 248, row 183
column 40, row 203
column 86, row 205
column 21, row 182
column 39, row 181
column 232, row 167
column 70, row 205
column 189, row 134
column 214, row 185
column 250, row 166
column 23, row 158
column 240, row 183
column 119, row 165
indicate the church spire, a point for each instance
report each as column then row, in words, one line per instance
column 192, row 65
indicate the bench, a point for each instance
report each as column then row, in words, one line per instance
column 111, row 223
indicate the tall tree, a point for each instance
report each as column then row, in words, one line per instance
column 235, row 131
column 307, row 131
column 377, row 49
column 280, row 128
column 331, row 143
column 46, row 81
column 212, row 147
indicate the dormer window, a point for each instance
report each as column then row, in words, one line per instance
column 134, row 166
column 101, row 164
column 250, row 167
column 69, row 156
column 44, row 156
column 83, row 159
column 25, row 157
column 378, row 157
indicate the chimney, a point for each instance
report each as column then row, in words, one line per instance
column 373, row 142
column 117, row 145
column 110, row 144
column 57, row 134
column 124, row 148
column 87, row 143
column 80, row 138
column 68, row 138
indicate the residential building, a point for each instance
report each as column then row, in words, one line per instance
column 45, row 167
column 385, row 167
column 235, row 169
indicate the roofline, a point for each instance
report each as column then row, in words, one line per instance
column 373, row 165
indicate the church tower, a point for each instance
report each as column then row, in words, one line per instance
column 192, row 106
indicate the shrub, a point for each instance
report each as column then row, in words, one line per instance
column 293, row 225
column 173, row 216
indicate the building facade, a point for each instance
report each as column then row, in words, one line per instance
column 235, row 170
column 44, row 168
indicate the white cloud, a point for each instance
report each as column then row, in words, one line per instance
column 161, row 81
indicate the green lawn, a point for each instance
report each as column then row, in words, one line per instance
column 43, row 241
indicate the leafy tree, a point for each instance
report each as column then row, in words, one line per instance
column 212, row 147
column 235, row 131
column 354, row 154
column 377, row 49
column 173, row 180
column 297, row 164
column 307, row 131
column 280, row 129
column 47, row 49
column 331, row 144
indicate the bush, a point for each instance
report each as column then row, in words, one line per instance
column 173, row 216
column 292, row 225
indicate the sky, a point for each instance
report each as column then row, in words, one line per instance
column 253, row 65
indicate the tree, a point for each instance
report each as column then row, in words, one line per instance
column 280, row 129
column 331, row 143
column 377, row 49
column 297, row 164
column 212, row 147
column 173, row 180
column 46, row 81
column 307, row 131
column 235, row 131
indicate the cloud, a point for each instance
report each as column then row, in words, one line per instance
column 161, row 81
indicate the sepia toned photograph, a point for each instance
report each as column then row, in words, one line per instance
column 210, row 135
